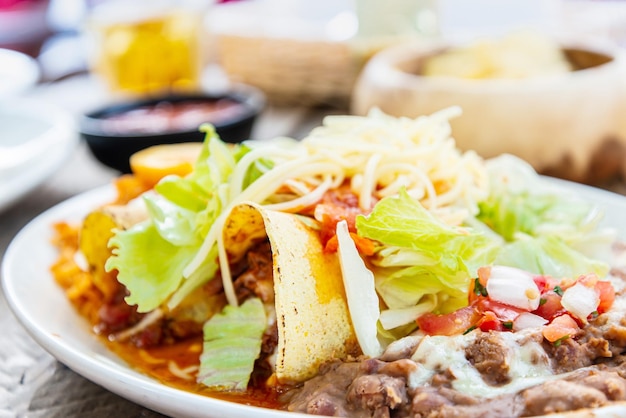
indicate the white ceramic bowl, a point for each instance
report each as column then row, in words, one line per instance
column 18, row 73
column 572, row 125
column 36, row 138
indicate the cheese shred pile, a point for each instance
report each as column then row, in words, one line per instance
column 377, row 155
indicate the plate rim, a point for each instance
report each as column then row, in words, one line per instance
column 118, row 377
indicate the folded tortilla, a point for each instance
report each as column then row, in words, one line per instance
column 312, row 314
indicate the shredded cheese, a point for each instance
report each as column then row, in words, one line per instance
column 146, row 321
column 186, row 373
column 378, row 155
column 145, row 356
column 303, row 201
column 368, row 186
column 528, row 363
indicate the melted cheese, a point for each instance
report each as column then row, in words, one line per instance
column 528, row 363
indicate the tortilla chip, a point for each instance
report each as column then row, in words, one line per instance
column 311, row 310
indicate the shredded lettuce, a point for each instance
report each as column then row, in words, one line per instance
column 232, row 343
column 549, row 255
column 150, row 257
column 421, row 255
column 548, row 231
column 535, row 214
column 523, row 223
column 521, row 201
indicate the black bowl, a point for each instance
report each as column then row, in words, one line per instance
column 117, row 131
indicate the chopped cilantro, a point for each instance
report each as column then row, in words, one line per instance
column 470, row 329
column 558, row 342
column 558, row 290
column 479, row 289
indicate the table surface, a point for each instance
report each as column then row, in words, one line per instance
column 32, row 382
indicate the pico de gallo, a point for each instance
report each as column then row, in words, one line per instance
column 509, row 299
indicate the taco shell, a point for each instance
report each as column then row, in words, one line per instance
column 312, row 314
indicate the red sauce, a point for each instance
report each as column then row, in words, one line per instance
column 154, row 363
column 151, row 361
column 168, row 116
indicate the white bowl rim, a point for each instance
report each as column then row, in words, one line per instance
column 384, row 66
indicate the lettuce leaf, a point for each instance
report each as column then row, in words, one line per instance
column 174, row 223
column 150, row 257
column 232, row 343
column 148, row 265
column 532, row 213
column 526, row 225
column 548, row 231
column 520, row 201
column 421, row 255
column 549, row 255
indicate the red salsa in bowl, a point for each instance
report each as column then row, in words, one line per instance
column 172, row 116
column 115, row 132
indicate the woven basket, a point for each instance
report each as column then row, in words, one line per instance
column 291, row 71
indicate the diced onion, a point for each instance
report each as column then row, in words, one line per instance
column 580, row 301
column 528, row 320
column 513, row 287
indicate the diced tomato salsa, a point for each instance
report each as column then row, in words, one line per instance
column 338, row 205
column 487, row 314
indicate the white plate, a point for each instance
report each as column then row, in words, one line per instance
column 42, row 308
column 35, row 139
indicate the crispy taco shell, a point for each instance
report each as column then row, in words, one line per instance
column 312, row 314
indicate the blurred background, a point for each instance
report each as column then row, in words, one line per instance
column 60, row 34
column 497, row 58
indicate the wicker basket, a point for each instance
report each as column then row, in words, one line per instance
column 291, row 71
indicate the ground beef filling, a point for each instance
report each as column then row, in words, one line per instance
column 488, row 354
column 592, row 367
column 256, row 275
